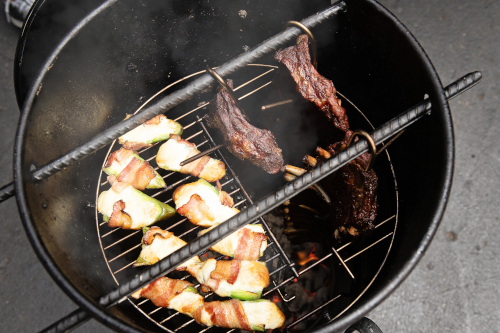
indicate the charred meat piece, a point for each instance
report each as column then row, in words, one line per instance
column 311, row 85
column 354, row 195
column 351, row 210
column 241, row 138
column 353, row 191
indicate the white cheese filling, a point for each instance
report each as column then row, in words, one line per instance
column 234, row 238
column 147, row 133
column 142, row 212
column 263, row 313
column 160, row 248
column 171, row 154
column 186, row 298
column 246, row 281
column 118, row 166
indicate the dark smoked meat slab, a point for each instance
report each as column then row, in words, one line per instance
column 241, row 138
column 311, row 85
column 354, row 195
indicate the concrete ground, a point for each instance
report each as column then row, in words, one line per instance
column 455, row 286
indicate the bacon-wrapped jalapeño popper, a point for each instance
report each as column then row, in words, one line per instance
column 129, row 167
column 227, row 278
column 203, row 204
column 257, row 315
column 124, row 206
column 176, row 150
column 157, row 129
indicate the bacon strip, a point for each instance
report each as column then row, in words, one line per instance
column 226, row 199
column 249, row 245
column 118, row 156
column 156, row 120
column 137, row 173
column 196, row 210
column 311, row 85
column 226, row 270
column 135, row 145
column 119, row 218
column 162, row 290
column 228, row 314
column 196, row 167
column 154, row 231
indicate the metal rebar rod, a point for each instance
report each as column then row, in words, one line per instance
column 7, row 191
column 168, row 102
column 270, row 202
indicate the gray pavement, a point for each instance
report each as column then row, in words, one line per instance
column 455, row 288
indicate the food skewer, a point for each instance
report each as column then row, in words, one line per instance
column 241, row 138
column 174, row 151
column 268, row 106
column 129, row 167
column 152, row 131
column 200, row 155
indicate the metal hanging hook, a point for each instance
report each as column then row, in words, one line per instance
column 224, row 85
column 311, row 38
column 371, row 146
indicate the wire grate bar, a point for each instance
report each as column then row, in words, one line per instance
column 122, row 239
column 278, row 269
column 343, row 263
column 189, row 112
column 125, row 252
column 311, row 313
column 121, row 269
column 378, row 225
column 254, row 91
column 366, row 248
column 109, row 233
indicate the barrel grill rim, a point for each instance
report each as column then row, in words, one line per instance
column 358, row 310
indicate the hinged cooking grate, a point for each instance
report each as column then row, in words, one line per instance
column 122, row 247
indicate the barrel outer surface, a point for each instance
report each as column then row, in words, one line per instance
column 129, row 50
